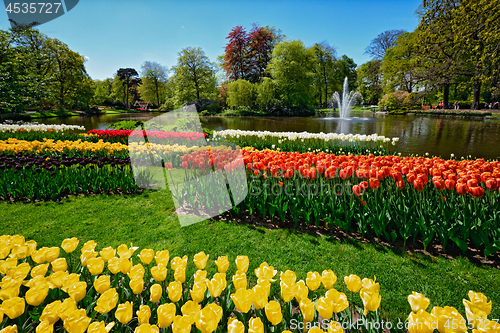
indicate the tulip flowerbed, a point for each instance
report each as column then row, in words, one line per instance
column 181, row 138
column 303, row 142
column 413, row 199
column 43, row 291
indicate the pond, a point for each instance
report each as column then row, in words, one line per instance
column 439, row 136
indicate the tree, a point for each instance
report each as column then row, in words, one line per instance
column 240, row 93
column 194, row 76
column 103, row 91
column 345, row 67
column 370, row 82
column 261, row 48
column 380, row 44
column 129, row 77
column 236, row 59
column 154, row 78
column 324, row 70
column 292, row 67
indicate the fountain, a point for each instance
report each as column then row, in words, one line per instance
column 345, row 103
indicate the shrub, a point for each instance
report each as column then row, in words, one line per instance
column 240, row 93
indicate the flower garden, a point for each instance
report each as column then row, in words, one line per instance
column 296, row 181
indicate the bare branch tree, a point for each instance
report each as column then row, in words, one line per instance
column 382, row 42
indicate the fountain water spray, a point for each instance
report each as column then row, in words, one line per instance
column 346, row 101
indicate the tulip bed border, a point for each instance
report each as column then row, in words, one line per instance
column 43, row 291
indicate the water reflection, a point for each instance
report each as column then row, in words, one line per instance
column 417, row 134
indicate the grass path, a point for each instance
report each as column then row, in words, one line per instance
column 148, row 220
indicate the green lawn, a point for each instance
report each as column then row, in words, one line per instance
column 148, row 221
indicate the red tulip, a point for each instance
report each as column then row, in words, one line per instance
column 418, row 184
column 450, row 184
column 439, row 184
column 356, row 190
column 184, row 165
column 491, row 184
column 461, row 188
column 476, row 192
column 472, row 182
column 364, row 185
column 374, row 183
column 400, row 184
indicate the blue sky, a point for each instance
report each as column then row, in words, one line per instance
column 124, row 33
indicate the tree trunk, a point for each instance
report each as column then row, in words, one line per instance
column 477, row 93
column 157, row 94
column 446, row 95
column 128, row 107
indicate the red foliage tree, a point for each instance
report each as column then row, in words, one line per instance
column 247, row 55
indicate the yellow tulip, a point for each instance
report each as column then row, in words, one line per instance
column 370, row 285
column 300, row 291
column 156, row 292
column 159, row 272
column 69, row 244
column 66, row 308
column 162, row 257
column 20, row 272
column 13, row 307
column 124, row 312
column 340, row 302
column 95, row 265
column 240, row 280
column 181, row 324
column 288, row 277
column 19, row 252
column 353, row 283
column 10, row 288
column 39, row 270
column 265, row 272
column 200, row 275
column 57, row 278
column 222, row 264
column 174, row 291
column 166, row 314
column 242, row 299
column 315, row 329
column 100, row 327
column 335, row 327
column 124, row 252
column 180, row 274
column 70, row 279
column 313, row 280
column 217, row 309
column 328, row 278
column 89, row 246
column 59, row 265
column 307, row 309
column 9, row 329
column 190, row 309
column 206, row 320
column 44, row 327
column 77, row 321
column 52, row 254
column 143, row 314
column 31, row 244
column 235, row 326
column 136, row 272
column 216, row 285
column 4, row 249
column 85, row 256
column 266, row 285
column 50, row 312
column 198, row 291
column 8, row 263
column 37, row 294
column 273, row 312
column 107, row 253
column 447, row 317
column 146, row 256
column 102, row 284
column 77, row 291
column 325, row 307
column 137, row 286
column 147, row 328
column 421, row 322
column 371, row 300
column 286, row 291
column 107, row 301
column 125, row 265
column 260, row 297
column 418, row 302
column 242, row 263
column 114, row 265
column 477, row 309
column 255, row 325
column 200, row 260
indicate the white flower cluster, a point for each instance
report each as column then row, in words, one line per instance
column 29, row 127
column 293, row 136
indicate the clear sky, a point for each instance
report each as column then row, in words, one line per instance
column 123, row 33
